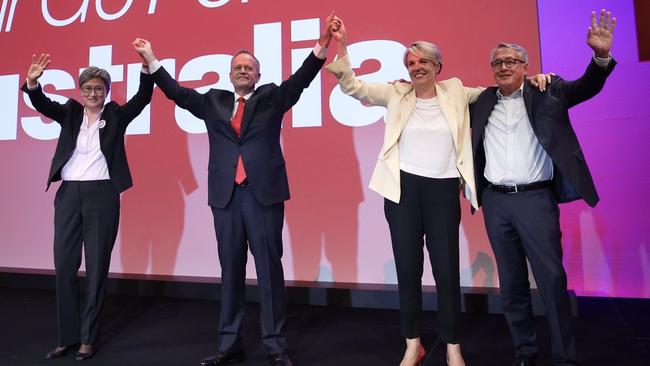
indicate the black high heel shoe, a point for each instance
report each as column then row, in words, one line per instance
column 81, row 356
column 60, row 352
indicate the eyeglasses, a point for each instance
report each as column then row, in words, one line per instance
column 246, row 68
column 86, row 90
column 510, row 63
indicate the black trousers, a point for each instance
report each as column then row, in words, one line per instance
column 245, row 222
column 526, row 225
column 85, row 214
column 428, row 208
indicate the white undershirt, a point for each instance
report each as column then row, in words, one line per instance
column 513, row 153
column 237, row 96
column 87, row 161
column 426, row 147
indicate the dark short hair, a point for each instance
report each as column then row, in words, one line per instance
column 92, row 72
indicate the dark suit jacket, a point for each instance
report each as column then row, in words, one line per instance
column 548, row 113
column 111, row 137
column 259, row 141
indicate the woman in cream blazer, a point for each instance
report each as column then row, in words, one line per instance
column 425, row 159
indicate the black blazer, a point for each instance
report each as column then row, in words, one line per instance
column 548, row 113
column 111, row 137
column 259, row 141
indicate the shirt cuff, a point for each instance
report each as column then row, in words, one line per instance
column 603, row 61
column 320, row 51
column 29, row 86
column 145, row 70
column 154, row 66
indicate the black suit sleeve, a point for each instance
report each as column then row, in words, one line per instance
column 584, row 88
column 185, row 98
column 291, row 89
column 136, row 104
column 46, row 106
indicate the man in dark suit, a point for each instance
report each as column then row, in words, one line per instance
column 247, row 187
column 527, row 159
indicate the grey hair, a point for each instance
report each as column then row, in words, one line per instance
column 246, row 52
column 522, row 51
column 428, row 49
column 93, row 72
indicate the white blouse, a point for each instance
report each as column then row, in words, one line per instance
column 426, row 147
column 87, row 161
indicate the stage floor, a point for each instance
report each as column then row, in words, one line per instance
column 169, row 331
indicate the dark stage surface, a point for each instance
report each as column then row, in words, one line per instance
column 170, row 331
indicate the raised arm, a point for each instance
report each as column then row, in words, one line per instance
column 599, row 39
column 185, row 98
column 42, row 103
column 136, row 104
column 600, row 34
column 370, row 93
column 291, row 88
column 36, row 69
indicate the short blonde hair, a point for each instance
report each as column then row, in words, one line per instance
column 428, row 49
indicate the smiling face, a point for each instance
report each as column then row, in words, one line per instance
column 509, row 79
column 422, row 70
column 244, row 73
column 93, row 93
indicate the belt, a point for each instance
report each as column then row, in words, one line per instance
column 243, row 184
column 520, row 187
column 96, row 181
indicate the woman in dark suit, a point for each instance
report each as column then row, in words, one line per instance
column 91, row 160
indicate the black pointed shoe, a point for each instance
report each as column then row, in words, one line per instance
column 524, row 361
column 82, row 356
column 56, row 352
column 280, row 359
column 223, row 358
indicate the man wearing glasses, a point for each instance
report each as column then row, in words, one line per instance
column 527, row 159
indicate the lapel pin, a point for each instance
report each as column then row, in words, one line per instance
column 102, row 124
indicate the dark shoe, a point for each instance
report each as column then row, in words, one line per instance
column 56, row 352
column 280, row 359
column 223, row 358
column 81, row 356
column 524, row 361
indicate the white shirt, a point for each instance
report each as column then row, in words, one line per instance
column 426, row 147
column 513, row 153
column 237, row 96
column 87, row 161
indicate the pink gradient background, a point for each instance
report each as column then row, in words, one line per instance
column 335, row 229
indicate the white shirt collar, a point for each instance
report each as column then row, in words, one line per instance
column 517, row 94
column 246, row 97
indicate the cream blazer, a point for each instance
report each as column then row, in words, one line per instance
column 399, row 100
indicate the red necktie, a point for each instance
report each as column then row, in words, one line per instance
column 236, row 121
